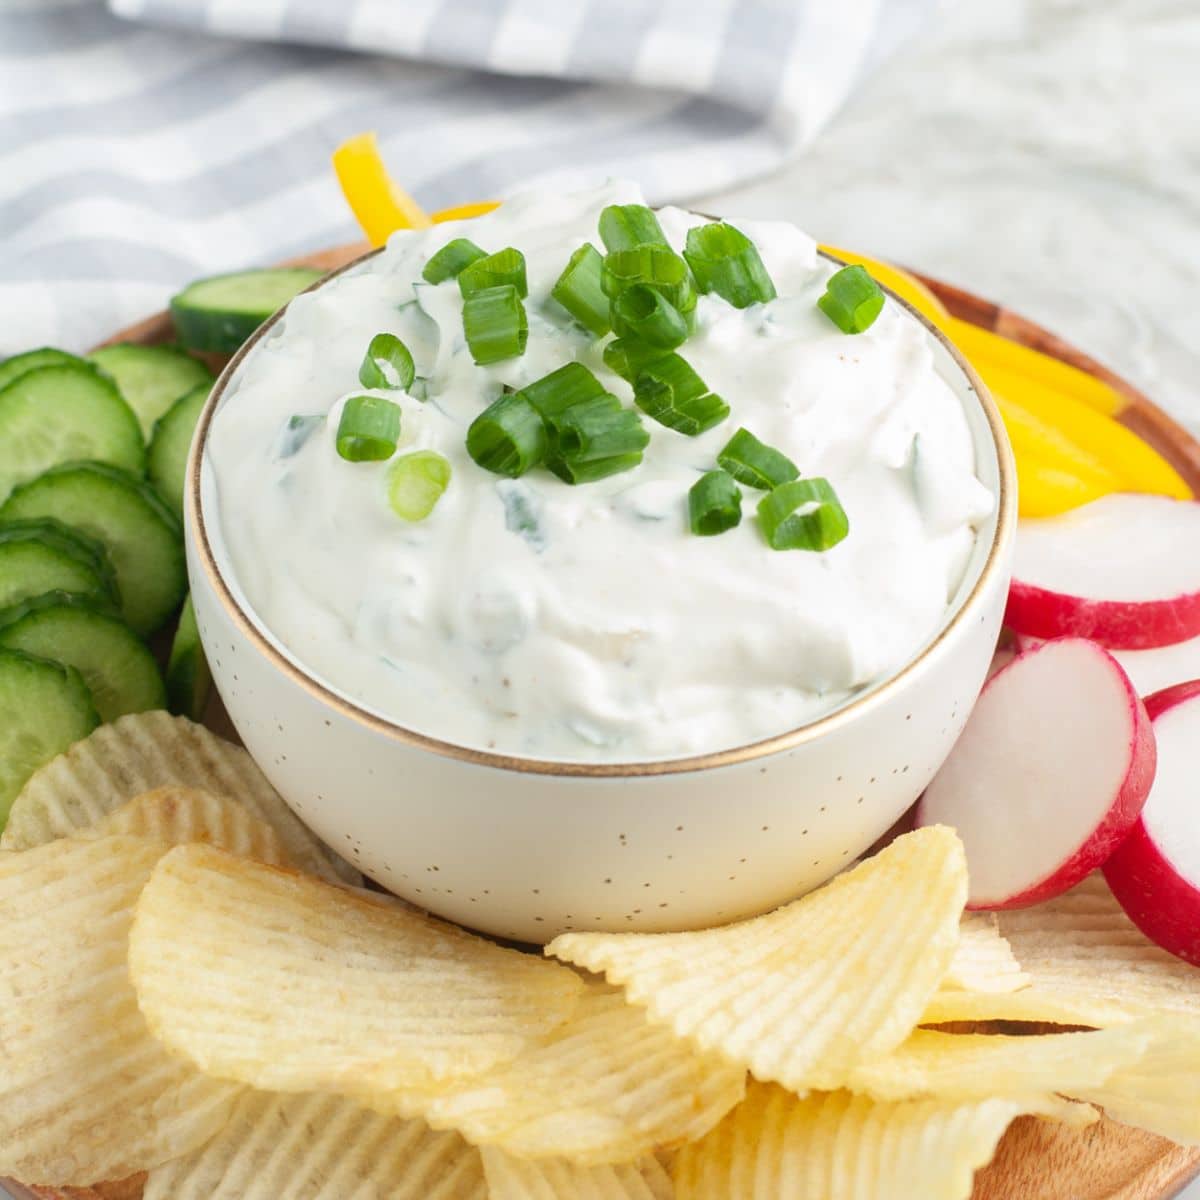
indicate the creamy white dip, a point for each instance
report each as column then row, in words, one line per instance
column 588, row 623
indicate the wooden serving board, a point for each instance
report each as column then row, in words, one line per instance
column 1037, row 1160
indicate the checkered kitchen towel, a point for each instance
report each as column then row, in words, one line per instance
column 144, row 142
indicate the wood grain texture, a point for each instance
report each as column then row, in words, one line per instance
column 1036, row 1160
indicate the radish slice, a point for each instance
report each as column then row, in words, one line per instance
column 1149, row 671
column 1155, row 873
column 1049, row 775
column 1123, row 570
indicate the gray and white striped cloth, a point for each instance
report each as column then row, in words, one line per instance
column 146, row 142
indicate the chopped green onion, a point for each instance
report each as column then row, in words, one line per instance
column 597, row 428
column 627, row 356
column 575, row 472
column 804, row 514
column 658, row 267
column 724, row 260
column 495, row 324
column 642, row 313
column 508, row 437
column 674, row 395
column 578, row 290
column 415, row 483
column 387, row 364
column 714, row 504
column 450, row 260
column 754, row 463
column 623, row 226
column 493, row 270
column 852, row 300
column 368, row 429
column 561, row 390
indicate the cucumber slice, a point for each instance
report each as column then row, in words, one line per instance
column 115, row 663
column 44, row 709
column 19, row 364
column 166, row 461
column 138, row 530
column 221, row 312
column 151, row 378
column 188, row 676
column 61, row 413
column 43, row 556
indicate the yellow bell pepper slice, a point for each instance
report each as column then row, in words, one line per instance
column 1045, row 489
column 906, row 286
column 465, row 212
column 379, row 206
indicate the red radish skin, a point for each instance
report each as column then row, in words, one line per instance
column 1123, row 571
column 1155, row 893
column 1011, row 775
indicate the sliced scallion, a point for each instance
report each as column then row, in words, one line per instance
column 415, row 483
column 852, row 299
column 578, row 290
column 714, row 504
column 493, row 270
column 627, row 356
column 598, row 428
column 561, row 390
column 641, row 313
column 368, row 429
column 623, row 226
column 671, row 392
column 658, row 267
column 387, row 364
column 754, row 463
column 508, row 437
column 724, row 260
column 495, row 324
column 575, row 472
column 804, row 514
column 451, row 259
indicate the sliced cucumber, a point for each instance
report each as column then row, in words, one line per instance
column 151, row 378
column 19, row 364
column 127, row 515
column 166, row 461
column 61, row 413
column 44, row 556
column 221, row 312
column 188, row 676
column 115, row 663
column 44, row 709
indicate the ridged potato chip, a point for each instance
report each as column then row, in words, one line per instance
column 605, row 1087
column 290, row 984
column 149, row 750
column 983, row 960
column 952, row 1066
column 1088, row 965
column 315, row 1147
column 805, row 994
column 833, row 1145
column 553, row 1179
column 176, row 816
column 85, row 1092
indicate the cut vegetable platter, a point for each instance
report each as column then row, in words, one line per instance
column 1037, row 1159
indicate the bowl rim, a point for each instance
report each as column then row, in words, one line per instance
column 748, row 752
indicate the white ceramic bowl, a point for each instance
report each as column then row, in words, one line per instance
column 526, row 849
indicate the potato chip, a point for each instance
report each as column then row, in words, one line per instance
column 511, row 1178
column 607, row 1086
column 315, row 1147
column 805, row 994
column 1088, row 963
column 983, row 960
column 85, row 1092
column 289, row 984
column 953, row 1066
column 124, row 1189
column 175, row 816
column 139, row 753
column 776, row 1146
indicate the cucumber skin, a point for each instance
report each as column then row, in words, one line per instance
column 45, row 356
column 163, row 467
column 74, row 543
column 202, row 326
column 189, row 680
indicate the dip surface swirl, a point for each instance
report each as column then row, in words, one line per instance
column 587, row 623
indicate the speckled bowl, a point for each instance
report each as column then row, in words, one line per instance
column 525, row 849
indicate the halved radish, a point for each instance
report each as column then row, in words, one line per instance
column 1049, row 775
column 1155, row 872
column 1123, row 571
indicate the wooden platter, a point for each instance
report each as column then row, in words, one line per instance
column 1036, row 1160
